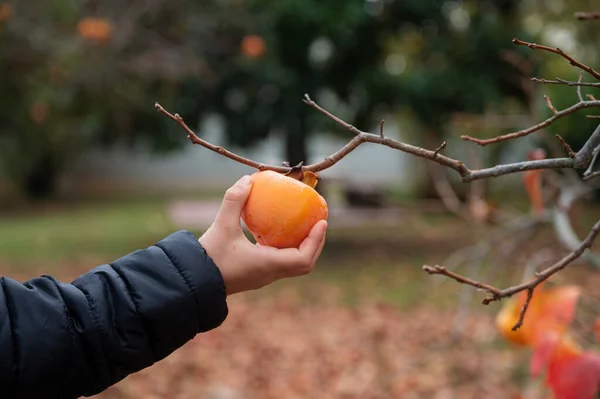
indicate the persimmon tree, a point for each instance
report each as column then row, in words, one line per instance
column 581, row 161
column 76, row 75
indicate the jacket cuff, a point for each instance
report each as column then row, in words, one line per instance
column 201, row 275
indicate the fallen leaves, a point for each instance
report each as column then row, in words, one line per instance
column 282, row 347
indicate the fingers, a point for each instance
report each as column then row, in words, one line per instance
column 313, row 244
column 295, row 262
column 320, row 249
column 233, row 203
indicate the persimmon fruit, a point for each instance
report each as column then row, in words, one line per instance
column 253, row 46
column 95, row 29
column 281, row 210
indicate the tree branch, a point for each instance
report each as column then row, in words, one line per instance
column 193, row 137
column 580, row 161
column 562, row 223
column 558, row 51
column 589, row 173
column 559, row 81
column 584, row 156
column 497, row 294
column 582, row 16
column 525, row 132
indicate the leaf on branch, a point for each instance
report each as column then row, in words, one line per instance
column 532, row 180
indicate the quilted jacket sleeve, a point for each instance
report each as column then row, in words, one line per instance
column 60, row 340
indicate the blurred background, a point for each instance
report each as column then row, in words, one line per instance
column 89, row 172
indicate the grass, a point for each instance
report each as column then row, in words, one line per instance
column 107, row 229
column 74, row 237
column 367, row 262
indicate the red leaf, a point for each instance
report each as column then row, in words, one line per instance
column 575, row 377
column 553, row 349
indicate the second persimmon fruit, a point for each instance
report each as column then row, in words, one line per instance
column 281, row 211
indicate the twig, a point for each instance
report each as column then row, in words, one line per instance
column 532, row 129
column 497, row 294
column 586, row 153
column 579, row 86
column 566, row 146
column 461, row 279
column 561, row 221
column 440, row 148
column 558, row 51
column 587, row 15
column 445, row 191
column 550, row 106
column 524, row 309
column 559, row 81
column 588, row 174
column 381, row 128
column 193, row 137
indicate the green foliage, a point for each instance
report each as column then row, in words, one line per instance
column 63, row 93
column 359, row 59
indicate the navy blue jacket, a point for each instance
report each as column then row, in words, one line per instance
column 65, row 341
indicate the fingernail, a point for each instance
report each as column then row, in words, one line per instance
column 245, row 180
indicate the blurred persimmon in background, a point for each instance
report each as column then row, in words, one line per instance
column 95, row 29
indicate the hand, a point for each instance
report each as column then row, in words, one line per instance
column 247, row 266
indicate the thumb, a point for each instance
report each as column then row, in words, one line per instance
column 233, row 203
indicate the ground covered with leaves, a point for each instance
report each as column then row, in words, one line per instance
column 282, row 347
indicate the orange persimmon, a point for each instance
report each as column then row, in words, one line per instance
column 95, row 29
column 551, row 310
column 253, row 46
column 5, row 11
column 281, row 211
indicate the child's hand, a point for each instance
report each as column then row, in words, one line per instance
column 246, row 266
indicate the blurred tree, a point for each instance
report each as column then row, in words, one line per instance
column 74, row 75
column 82, row 74
column 553, row 23
column 358, row 59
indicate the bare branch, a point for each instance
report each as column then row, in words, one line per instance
column 440, row 148
column 550, row 106
column 566, row 146
column 580, row 161
column 220, row 150
column 497, row 294
column 582, row 16
column 559, row 81
column 589, row 173
column 445, row 191
column 586, row 153
column 579, row 86
column 461, row 279
column 563, row 227
column 532, row 129
column 558, row 51
column 524, row 309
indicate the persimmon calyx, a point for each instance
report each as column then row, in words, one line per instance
column 307, row 177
